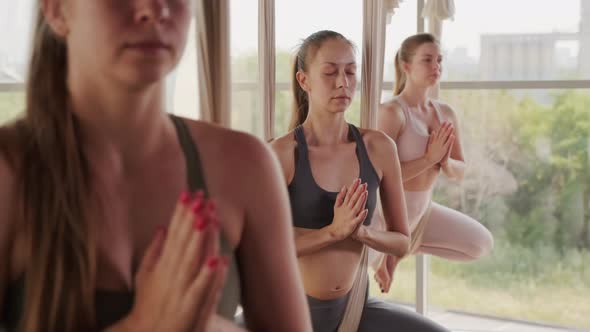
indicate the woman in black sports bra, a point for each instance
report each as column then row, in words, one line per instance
column 333, row 171
column 95, row 166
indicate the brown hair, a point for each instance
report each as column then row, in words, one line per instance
column 405, row 54
column 54, row 186
column 304, row 54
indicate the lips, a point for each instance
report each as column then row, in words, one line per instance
column 149, row 46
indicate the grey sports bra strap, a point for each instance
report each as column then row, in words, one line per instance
column 196, row 179
column 300, row 138
column 360, row 144
column 194, row 171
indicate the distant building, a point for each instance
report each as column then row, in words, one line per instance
column 535, row 56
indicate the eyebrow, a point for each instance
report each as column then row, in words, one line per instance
column 336, row 64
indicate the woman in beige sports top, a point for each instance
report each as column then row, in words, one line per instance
column 426, row 132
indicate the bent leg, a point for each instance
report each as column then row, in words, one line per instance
column 453, row 235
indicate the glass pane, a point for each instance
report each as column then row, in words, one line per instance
column 183, row 85
column 528, row 181
column 403, row 24
column 246, row 107
column 16, row 21
column 11, row 104
column 403, row 289
column 345, row 17
column 517, row 40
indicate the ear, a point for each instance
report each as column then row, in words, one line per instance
column 406, row 67
column 302, row 79
column 53, row 10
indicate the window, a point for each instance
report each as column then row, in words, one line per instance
column 182, row 85
column 12, row 103
column 517, row 40
column 246, row 107
column 528, row 181
column 15, row 27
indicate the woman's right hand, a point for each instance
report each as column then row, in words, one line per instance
column 349, row 210
column 439, row 142
column 179, row 281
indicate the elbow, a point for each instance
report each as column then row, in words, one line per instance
column 403, row 249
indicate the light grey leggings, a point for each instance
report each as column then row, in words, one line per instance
column 378, row 316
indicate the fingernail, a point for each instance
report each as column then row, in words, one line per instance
column 185, row 197
column 212, row 262
column 197, row 205
column 200, row 223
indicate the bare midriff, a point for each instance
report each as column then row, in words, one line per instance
column 330, row 272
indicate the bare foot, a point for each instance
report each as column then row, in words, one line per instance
column 385, row 272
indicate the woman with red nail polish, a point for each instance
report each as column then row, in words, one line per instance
column 95, row 166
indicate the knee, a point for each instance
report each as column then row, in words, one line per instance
column 483, row 244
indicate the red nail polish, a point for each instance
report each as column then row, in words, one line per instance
column 200, row 223
column 185, row 197
column 197, row 205
column 212, row 262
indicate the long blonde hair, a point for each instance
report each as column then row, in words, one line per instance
column 54, row 185
column 405, row 54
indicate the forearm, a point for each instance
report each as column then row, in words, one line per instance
column 413, row 168
column 388, row 242
column 454, row 169
column 313, row 241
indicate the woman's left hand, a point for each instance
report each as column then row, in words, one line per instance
column 444, row 161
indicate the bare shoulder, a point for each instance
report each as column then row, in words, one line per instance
column 377, row 141
column 380, row 148
column 391, row 118
column 392, row 108
column 447, row 110
column 284, row 145
column 391, row 105
column 229, row 149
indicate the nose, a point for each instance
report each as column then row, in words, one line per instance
column 342, row 80
column 152, row 11
column 438, row 66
